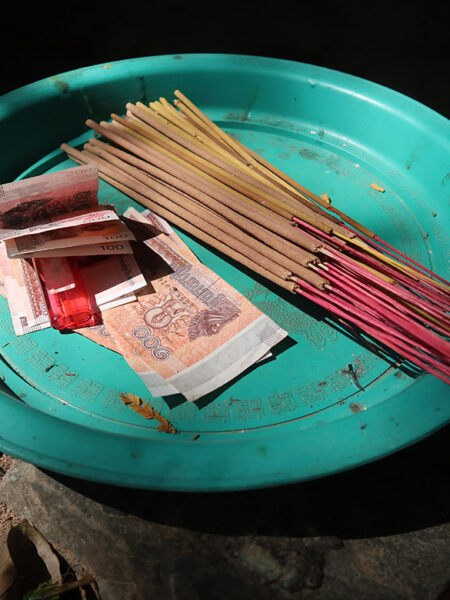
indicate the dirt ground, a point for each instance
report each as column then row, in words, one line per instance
column 7, row 518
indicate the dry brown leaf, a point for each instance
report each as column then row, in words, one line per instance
column 147, row 411
column 26, row 560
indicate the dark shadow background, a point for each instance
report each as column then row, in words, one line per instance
column 402, row 46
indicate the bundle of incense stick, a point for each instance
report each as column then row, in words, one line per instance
column 174, row 160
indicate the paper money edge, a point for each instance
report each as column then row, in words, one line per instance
column 258, row 337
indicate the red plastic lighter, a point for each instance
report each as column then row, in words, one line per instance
column 68, row 303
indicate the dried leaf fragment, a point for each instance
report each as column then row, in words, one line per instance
column 25, row 559
column 147, row 411
column 376, row 187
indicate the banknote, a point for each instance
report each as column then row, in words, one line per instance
column 118, row 301
column 24, row 293
column 184, row 249
column 153, row 268
column 100, row 335
column 112, row 278
column 94, row 215
column 38, row 199
column 102, row 233
column 105, row 249
column 147, row 216
column 156, row 384
column 195, row 331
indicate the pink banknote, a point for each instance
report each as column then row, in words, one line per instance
column 195, row 331
column 24, row 293
column 38, row 199
column 98, row 214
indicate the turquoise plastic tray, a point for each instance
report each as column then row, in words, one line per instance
column 299, row 415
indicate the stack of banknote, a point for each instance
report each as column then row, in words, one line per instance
column 179, row 325
column 56, row 216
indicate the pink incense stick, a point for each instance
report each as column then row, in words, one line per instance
column 433, row 293
column 430, row 284
column 390, row 288
column 344, row 274
column 431, row 288
column 378, row 334
column 402, row 327
column 416, row 335
column 390, row 272
column 315, row 233
column 422, row 338
column 417, row 358
column 322, row 299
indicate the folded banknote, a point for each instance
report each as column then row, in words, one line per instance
column 93, row 238
column 194, row 331
column 38, row 199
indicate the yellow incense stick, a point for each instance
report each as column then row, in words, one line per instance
column 217, row 150
column 246, row 154
column 215, row 173
column 186, row 164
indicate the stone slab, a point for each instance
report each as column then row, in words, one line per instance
column 134, row 558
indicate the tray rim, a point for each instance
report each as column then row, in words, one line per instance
column 339, row 435
column 269, row 61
